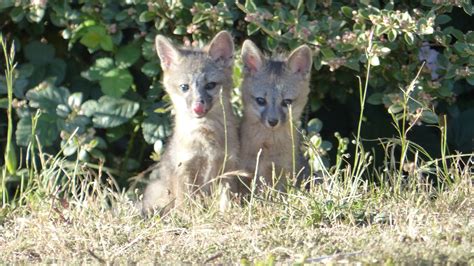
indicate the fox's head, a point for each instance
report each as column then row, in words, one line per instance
column 194, row 77
column 270, row 86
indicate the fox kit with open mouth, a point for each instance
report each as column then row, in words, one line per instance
column 270, row 87
column 195, row 80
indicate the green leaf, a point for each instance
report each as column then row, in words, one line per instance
column 122, row 15
column 113, row 112
column 23, row 131
column 106, row 43
column 389, row 6
column 461, row 131
column 113, row 134
column 314, row 126
column 375, row 98
column 392, row 35
column 250, row 6
column 89, row 108
column 6, row 4
column 155, row 128
column 39, row 53
column 93, row 36
column 429, row 117
column 127, row 55
column 146, row 16
column 446, row 89
column 467, row 7
column 63, row 110
column 47, row 98
column 442, row 19
column 17, row 14
column 409, row 38
column 36, row 13
column 19, row 86
column 116, row 82
column 455, row 32
column 327, row 53
column 82, row 155
column 75, row 100
column 148, row 51
column 310, row 5
column 104, row 64
column 271, row 43
column 326, row 145
column 57, row 70
column 470, row 80
column 96, row 36
column 252, row 29
column 69, row 148
column 317, row 63
column 464, row 49
column 97, row 154
column 79, row 123
column 3, row 103
column 353, row 63
column 180, row 30
column 470, row 37
column 98, row 70
column 151, row 69
column 26, row 70
column 395, row 108
column 347, row 11
column 381, row 29
column 46, row 130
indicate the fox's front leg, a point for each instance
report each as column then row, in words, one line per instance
column 185, row 181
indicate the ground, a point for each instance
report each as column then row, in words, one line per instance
column 329, row 224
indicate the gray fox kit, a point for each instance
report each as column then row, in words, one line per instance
column 270, row 87
column 195, row 154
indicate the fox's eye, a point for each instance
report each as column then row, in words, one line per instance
column 286, row 102
column 210, row 86
column 260, row 101
column 184, row 87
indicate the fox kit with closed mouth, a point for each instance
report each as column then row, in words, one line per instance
column 195, row 80
column 270, row 87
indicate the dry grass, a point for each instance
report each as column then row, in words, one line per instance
column 67, row 213
column 334, row 222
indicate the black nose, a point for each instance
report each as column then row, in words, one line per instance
column 204, row 99
column 272, row 122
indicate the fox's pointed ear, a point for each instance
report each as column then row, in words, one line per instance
column 222, row 48
column 166, row 51
column 301, row 60
column 252, row 57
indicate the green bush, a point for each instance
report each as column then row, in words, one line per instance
column 88, row 79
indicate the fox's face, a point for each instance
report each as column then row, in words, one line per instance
column 272, row 86
column 194, row 78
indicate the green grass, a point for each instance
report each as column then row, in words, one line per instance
column 75, row 212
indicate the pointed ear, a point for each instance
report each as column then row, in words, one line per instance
column 222, row 48
column 252, row 57
column 166, row 51
column 301, row 60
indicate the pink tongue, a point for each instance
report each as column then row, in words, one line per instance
column 198, row 108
